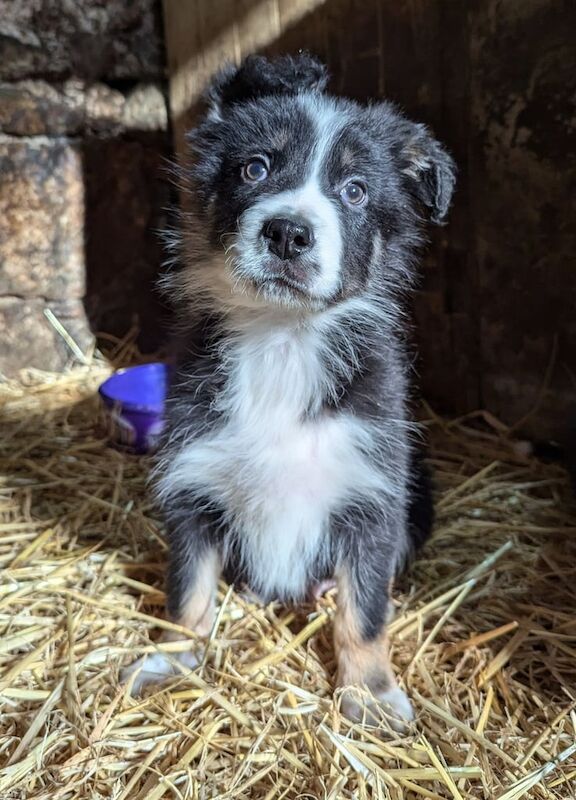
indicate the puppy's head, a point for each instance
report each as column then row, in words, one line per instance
column 303, row 199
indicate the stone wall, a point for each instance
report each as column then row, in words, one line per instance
column 83, row 138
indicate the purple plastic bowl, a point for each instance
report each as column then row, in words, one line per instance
column 134, row 402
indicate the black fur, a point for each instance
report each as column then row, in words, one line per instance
column 259, row 77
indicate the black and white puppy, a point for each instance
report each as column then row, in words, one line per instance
column 288, row 456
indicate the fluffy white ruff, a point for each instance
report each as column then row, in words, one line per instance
column 277, row 468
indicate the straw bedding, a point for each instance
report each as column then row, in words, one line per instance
column 484, row 638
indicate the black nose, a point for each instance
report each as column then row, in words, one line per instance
column 287, row 238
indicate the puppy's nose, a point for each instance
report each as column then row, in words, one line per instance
column 287, row 238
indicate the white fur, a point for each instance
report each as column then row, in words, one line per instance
column 157, row 667
column 393, row 704
column 307, row 202
column 276, row 465
column 396, row 701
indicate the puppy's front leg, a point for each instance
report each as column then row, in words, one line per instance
column 191, row 587
column 361, row 645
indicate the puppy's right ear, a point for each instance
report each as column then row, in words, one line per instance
column 258, row 76
column 430, row 170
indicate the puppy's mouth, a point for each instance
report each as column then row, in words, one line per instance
column 275, row 281
column 274, row 277
column 298, row 274
column 299, row 287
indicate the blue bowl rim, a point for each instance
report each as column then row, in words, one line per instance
column 140, row 408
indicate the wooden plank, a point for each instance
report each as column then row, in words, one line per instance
column 203, row 35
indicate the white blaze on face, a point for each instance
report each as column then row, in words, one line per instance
column 307, row 203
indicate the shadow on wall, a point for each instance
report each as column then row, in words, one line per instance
column 126, row 196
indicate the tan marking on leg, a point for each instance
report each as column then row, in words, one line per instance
column 365, row 664
column 360, row 662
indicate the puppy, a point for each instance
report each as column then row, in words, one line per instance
column 288, row 457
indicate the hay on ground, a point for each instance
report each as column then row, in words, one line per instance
column 484, row 637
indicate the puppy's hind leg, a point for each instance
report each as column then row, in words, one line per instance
column 191, row 587
column 420, row 502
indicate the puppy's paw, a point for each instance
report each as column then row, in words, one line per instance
column 395, row 702
column 321, row 588
column 156, row 668
column 390, row 706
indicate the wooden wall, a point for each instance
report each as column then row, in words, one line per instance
column 496, row 81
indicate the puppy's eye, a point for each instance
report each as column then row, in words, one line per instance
column 255, row 170
column 353, row 194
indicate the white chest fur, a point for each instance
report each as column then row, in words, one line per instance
column 278, row 470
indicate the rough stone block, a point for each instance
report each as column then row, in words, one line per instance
column 30, row 108
column 42, row 213
column 143, row 108
column 89, row 39
column 33, row 107
column 27, row 339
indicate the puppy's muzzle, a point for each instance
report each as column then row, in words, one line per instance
column 287, row 238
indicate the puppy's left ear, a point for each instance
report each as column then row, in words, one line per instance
column 431, row 171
